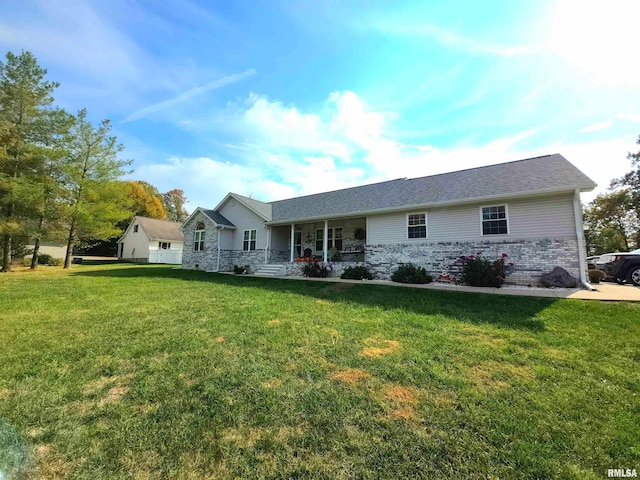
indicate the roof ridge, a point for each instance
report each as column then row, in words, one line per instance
column 248, row 198
column 493, row 165
column 415, row 178
column 155, row 219
column 340, row 190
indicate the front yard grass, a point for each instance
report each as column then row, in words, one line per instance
column 127, row 371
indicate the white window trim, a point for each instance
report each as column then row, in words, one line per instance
column 426, row 226
column 331, row 234
column 249, row 245
column 197, row 239
column 506, row 214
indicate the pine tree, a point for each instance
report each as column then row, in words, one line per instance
column 28, row 127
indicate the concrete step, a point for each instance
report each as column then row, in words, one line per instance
column 270, row 270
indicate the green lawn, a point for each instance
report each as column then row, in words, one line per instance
column 124, row 371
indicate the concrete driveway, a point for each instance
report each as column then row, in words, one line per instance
column 609, row 291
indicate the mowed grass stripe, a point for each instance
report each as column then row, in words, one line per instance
column 129, row 371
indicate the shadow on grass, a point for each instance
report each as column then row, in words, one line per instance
column 478, row 308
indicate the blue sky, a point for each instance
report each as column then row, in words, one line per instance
column 277, row 99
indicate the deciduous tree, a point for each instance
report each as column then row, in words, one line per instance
column 631, row 183
column 174, row 201
column 95, row 197
column 146, row 199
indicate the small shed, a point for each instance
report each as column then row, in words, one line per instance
column 149, row 240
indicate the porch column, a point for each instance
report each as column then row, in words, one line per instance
column 325, row 241
column 292, row 240
column 267, row 246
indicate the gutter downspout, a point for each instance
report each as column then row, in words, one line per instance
column 220, row 227
column 577, row 213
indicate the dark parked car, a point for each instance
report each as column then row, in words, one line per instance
column 621, row 267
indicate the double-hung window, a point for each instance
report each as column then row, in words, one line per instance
column 198, row 238
column 494, row 220
column 249, row 240
column 319, row 240
column 417, row 225
column 334, row 239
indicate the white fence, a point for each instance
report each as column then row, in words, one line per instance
column 165, row 256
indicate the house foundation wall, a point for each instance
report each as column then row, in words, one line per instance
column 253, row 259
column 532, row 258
column 295, row 269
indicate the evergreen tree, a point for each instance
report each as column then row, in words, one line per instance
column 28, row 126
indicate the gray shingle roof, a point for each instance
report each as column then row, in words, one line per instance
column 217, row 217
column 546, row 173
column 263, row 209
column 160, row 229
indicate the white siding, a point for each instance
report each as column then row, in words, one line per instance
column 540, row 217
column 176, row 245
column 244, row 219
column 226, row 238
column 136, row 244
column 50, row 248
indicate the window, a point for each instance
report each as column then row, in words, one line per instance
column 135, row 228
column 417, row 225
column 494, row 220
column 334, row 239
column 297, row 243
column 164, row 245
column 319, row 240
column 198, row 238
column 249, row 242
column 337, row 239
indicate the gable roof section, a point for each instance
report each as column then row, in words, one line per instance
column 262, row 209
column 217, row 217
column 549, row 173
column 160, row 229
column 156, row 229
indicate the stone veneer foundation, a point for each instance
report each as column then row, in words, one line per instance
column 532, row 258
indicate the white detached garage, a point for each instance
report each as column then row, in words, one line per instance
column 151, row 240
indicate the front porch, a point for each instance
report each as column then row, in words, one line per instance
column 338, row 240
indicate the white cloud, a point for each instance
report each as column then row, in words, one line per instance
column 451, row 39
column 189, row 94
column 74, row 36
column 598, row 39
column 286, row 152
column 629, row 117
column 594, row 127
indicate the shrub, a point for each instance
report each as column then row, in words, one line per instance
column 56, row 262
column 357, row 273
column 238, row 270
column 409, row 273
column 313, row 269
column 596, row 275
column 44, row 259
column 334, row 255
column 481, row 272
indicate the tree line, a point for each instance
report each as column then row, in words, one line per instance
column 60, row 174
column 613, row 218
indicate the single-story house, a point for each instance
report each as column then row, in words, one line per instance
column 529, row 209
column 151, row 240
column 55, row 249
